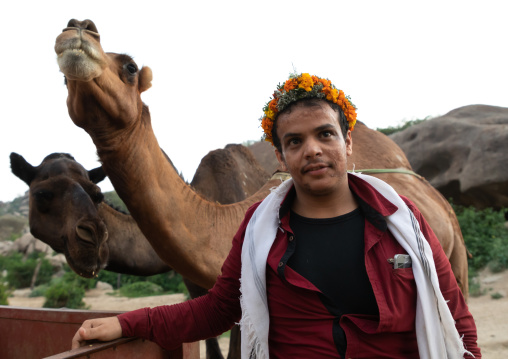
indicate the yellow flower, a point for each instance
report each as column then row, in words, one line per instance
column 305, row 82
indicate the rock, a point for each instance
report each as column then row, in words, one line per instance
column 24, row 292
column 5, row 247
column 103, row 286
column 27, row 243
column 57, row 261
column 264, row 153
column 463, row 154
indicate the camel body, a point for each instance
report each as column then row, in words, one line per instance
column 192, row 234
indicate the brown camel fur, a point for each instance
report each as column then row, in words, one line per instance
column 192, row 234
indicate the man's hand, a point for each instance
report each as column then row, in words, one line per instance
column 103, row 329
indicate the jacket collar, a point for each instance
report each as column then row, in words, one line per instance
column 373, row 204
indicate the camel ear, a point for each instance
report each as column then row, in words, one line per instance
column 145, row 79
column 21, row 168
column 96, row 175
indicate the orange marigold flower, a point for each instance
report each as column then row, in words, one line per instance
column 325, row 82
column 273, row 105
column 332, row 95
column 267, row 124
column 290, row 84
column 305, row 82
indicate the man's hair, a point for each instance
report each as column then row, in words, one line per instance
column 310, row 102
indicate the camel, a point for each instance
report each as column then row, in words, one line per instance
column 73, row 227
column 187, row 231
column 67, row 212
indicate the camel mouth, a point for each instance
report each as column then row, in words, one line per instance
column 79, row 54
column 85, row 271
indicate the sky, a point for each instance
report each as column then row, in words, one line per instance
column 216, row 64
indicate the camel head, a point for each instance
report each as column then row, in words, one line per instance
column 103, row 88
column 63, row 209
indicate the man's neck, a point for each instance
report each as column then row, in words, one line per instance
column 328, row 205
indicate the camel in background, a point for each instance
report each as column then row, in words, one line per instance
column 67, row 212
column 188, row 232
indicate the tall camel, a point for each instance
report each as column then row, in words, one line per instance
column 190, row 233
column 67, row 212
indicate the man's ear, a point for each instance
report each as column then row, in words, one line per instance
column 281, row 160
column 349, row 143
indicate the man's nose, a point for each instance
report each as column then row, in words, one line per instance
column 312, row 148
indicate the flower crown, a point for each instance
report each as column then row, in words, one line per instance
column 302, row 86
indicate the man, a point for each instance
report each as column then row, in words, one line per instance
column 329, row 265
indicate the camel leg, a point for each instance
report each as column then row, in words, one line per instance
column 235, row 346
column 212, row 345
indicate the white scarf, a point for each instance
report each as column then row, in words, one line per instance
column 435, row 327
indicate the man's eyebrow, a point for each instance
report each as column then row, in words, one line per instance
column 290, row 134
column 324, row 127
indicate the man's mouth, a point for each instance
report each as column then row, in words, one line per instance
column 316, row 167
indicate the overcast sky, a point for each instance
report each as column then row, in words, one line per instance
column 216, row 64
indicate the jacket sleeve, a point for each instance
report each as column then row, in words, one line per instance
column 197, row 319
column 464, row 321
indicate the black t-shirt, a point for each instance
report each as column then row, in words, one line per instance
column 330, row 254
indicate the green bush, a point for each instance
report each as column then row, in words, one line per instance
column 140, row 289
column 64, row 294
column 39, row 291
column 71, row 277
column 171, row 282
column 486, row 237
column 392, row 129
column 20, row 272
column 4, row 294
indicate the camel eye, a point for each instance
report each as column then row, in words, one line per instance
column 132, row 68
column 43, row 195
column 43, row 200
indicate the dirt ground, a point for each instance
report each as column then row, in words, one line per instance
column 491, row 315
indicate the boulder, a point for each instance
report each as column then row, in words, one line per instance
column 463, row 154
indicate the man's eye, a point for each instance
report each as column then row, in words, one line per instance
column 293, row 141
column 326, row 134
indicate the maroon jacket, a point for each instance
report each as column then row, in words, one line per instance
column 300, row 324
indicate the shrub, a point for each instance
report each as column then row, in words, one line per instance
column 64, row 294
column 486, row 237
column 20, row 272
column 39, row 291
column 140, row 289
column 406, row 124
column 171, row 282
column 4, row 294
column 71, row 277
column 496, row 295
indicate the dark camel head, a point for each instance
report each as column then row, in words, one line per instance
column 102, row 87
column 63, row 206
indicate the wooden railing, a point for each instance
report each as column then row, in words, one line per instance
column 47, row 333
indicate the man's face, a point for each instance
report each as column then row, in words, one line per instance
column 313, row 149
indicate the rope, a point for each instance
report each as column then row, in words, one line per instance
column 388, row 170
column 285, row 175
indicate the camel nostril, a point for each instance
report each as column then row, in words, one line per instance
column 85, row 234
column 85, row 25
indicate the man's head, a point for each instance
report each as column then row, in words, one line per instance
column 309, row 122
